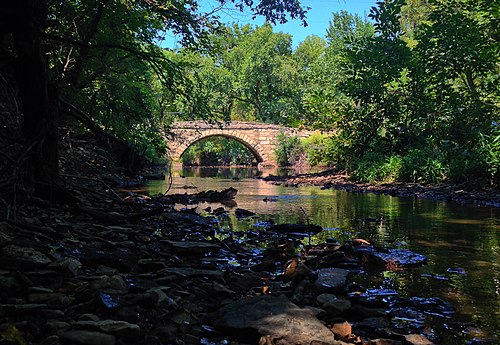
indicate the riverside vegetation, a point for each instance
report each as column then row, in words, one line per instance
column 411, row 93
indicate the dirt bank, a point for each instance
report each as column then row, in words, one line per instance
column 483, row 196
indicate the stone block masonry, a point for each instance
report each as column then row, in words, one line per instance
column 258, row 138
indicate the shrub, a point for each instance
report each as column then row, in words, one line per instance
column 466, row 166
column 376, row 167
column 315, row 148
column 490, row 148
column 289, row 149
column 422, row 165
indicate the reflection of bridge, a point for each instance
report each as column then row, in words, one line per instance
column 259, row 138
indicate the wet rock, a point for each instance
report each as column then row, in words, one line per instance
column 24, row 257
column 192, row 247
column 308, row 229
column 89, row 338
column 432, row 305
column 119, row 328
column 332, row 305
column 358, row 312
column 392, row 259
column 108, row 301
column 372, row 323
column 416, row 339
column 331, row 279
column 483, row 341
column 273, row 316
column 242, row 213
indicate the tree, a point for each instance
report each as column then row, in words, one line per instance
column 264, row 72
column 87, row 40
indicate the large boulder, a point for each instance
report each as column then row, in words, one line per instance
column 273, row 316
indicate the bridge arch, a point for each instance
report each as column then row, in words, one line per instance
column 254, row 147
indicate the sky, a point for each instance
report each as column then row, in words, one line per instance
column 318, row 17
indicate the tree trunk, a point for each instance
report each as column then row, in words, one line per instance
column 39, row 126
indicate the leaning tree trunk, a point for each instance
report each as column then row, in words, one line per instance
column 39, row 126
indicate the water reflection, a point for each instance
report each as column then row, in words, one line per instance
column 450, row 235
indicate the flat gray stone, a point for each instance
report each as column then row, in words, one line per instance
column 331, row 278
column 120, row 328
column 26, row 256
column 274, row 316
column 193, row 272
column 90, row 338
column 192, row 246
column 332, row 305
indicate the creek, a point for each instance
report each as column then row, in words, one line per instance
column 461, row 243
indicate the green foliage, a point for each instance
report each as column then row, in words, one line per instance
column 423, row 165
column 217, row 151
column 289, row 149
column 466, row 166
column 314, row 147
column 490, row 147
column 376, row 167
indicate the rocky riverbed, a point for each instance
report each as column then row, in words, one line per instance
column 123, row 268
column 467, row 194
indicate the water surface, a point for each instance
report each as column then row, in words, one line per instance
column 456, row 238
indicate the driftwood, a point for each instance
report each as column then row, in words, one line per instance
column 211, row 196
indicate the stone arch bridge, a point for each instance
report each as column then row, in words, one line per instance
column 258, row 138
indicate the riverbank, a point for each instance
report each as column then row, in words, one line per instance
column 120, row 268
column 489, row 197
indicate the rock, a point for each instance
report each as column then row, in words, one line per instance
column 242, row 213
column 275, row 316
column 50, row 298
column 114, row 284
column 483, row 341
column 392, row 259
column 373, row 323
column 7, row 282
column 161, row 299
column 57, row 327
column 385, row 342
column 416, row 339
column 331, row 279
column 306, row 229
column 119, row 328
column 90, row 338
column 25, row 257
column 69, row 265
column 193, row 272
column 358, row 312
column 342, row 330
column 50, row 340
column 191, row 247
column 332, row 305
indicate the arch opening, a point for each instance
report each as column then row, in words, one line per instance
column 219, row 149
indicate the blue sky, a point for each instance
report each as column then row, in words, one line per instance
column 318, row 17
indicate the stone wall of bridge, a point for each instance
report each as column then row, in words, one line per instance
column 259, row 138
